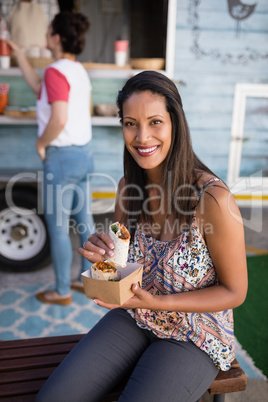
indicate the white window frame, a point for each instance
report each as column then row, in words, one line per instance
column 255, row 187
column 171, row 38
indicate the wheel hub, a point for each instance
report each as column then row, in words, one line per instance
column 19, row 232
column 22, row 234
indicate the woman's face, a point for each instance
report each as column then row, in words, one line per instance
column 147, row 129
column 49, row 37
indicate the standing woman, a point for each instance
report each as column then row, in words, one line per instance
column 64, row 134
column 172, row 337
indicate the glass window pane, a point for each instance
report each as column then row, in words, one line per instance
column 255, row 142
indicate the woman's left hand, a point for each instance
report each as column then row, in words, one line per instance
column 141, row 299
column 41, row 150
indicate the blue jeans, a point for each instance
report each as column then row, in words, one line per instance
column 67, row 205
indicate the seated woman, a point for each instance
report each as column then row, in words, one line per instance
column 172, row 337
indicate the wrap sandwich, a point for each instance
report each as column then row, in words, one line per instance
column 121, row 238
column 104, row 270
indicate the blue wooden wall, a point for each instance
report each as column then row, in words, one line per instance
column 210, row 59
column 17, row 142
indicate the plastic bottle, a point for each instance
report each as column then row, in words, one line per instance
column 4, row 47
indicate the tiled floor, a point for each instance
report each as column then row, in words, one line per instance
column 22, row 316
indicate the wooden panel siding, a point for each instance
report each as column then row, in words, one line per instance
column 17, row 148
column 17, row 143
column 19, row 92
column 107, row 150
column 104, row 90
column 210, row 59
column 17, row 152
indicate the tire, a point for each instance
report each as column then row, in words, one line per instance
column 24, row 240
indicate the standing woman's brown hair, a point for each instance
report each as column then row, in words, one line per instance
column 71, row 28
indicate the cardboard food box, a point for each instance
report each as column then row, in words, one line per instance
column 110, row 291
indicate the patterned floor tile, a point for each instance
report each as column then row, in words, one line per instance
column 23, row 316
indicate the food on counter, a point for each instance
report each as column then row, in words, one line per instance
column 105, row 271
column 20, row 112
column 105, row 109
column 121, row 238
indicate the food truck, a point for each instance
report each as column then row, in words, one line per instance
column 216, row 53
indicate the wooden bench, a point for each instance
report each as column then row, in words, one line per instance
column 26, row 364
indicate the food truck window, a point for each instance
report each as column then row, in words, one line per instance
column 66, row 5
column 149, row 26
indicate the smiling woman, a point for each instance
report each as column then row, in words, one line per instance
column 186, row 230
column 147, row 131
column 158, row 125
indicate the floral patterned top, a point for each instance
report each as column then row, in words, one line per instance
column 174, row 267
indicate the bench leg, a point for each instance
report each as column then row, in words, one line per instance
column 219, row 398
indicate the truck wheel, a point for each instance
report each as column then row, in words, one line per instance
column 24, row 241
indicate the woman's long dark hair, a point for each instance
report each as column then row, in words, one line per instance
column 71, row 28
column 179, row 175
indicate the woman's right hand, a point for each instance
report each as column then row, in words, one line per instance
column 14, row 47
column 29, row 74
column 98, row 247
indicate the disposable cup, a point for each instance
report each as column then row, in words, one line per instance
column 121, row 45
column 4, row 48
column 120, row 59
column 120, row 55
column 4, row 62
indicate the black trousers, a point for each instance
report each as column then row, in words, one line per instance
column 161, row 370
